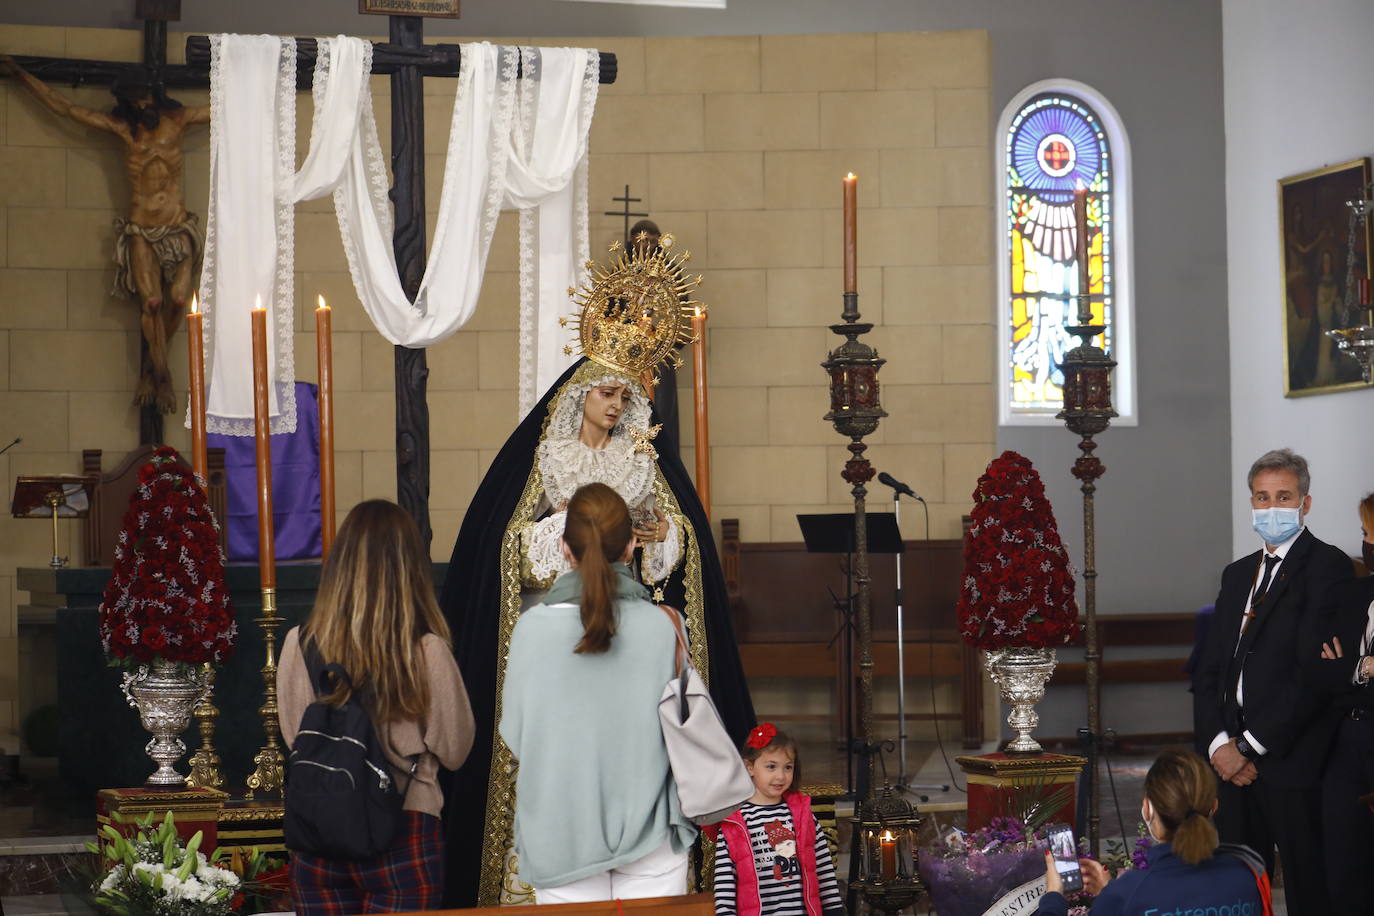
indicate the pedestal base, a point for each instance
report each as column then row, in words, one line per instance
column 996, row 780
column 245, row 825
column 192, row 809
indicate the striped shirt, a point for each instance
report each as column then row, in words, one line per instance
column 774, row 844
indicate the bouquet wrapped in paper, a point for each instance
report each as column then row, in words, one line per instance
column 966, row 873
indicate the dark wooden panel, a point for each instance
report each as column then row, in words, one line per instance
column 816, row 660
column 1146, row 629
column 785, row 594
column 1123, row 671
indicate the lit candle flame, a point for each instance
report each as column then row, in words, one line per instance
column 322, row 304
column 850, row 177
column 195, row 304
column 888, row 837
column 257, row 302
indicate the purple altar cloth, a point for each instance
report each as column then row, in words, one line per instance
column 295, row 486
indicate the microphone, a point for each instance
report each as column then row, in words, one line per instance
column 17, row 440
column 885, row 478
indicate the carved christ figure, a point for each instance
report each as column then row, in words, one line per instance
column 158, row 248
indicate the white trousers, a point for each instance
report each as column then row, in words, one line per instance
column 662, row 873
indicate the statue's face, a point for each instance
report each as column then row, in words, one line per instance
column 604, row 405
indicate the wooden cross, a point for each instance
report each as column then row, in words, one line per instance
column 625, row 212
column 407, row 60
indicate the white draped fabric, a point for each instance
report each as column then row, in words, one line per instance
column 249, row 228
column 525, row 149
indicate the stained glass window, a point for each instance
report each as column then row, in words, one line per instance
column 1056, row 143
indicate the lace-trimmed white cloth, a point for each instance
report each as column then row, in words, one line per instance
column 249, row 226
column 535, row 162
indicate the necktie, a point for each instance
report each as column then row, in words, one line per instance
column 1269, row 563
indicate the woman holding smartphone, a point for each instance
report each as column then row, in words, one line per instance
column 1189, row 870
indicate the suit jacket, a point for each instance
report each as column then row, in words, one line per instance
column 1283, row 708
column 1345, row 616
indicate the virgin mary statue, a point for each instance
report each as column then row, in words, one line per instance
column 595, row 424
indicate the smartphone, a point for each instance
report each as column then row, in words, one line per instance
column 1065, row 851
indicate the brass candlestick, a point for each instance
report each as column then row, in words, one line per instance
column 205, row 771
column 1356, row 339
column 268, row 762
column 1087, row 412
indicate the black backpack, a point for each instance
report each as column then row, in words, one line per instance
column 341, row 800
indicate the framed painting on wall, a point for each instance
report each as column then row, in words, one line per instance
column 1322, row 265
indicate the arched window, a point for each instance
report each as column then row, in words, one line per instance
column 1058, row 136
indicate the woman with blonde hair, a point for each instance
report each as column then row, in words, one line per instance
column 1189, row 871
column 375, row 615
column 596, row 810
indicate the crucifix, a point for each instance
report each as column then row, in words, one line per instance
column 407, row 60
column 158, row 245
column 625, row 212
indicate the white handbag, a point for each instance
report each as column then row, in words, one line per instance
column 712, row 781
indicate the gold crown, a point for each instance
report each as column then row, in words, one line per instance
column 637, row 309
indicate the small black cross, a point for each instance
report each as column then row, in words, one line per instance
column 627, row 200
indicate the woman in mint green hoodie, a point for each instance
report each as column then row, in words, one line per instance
column 596, row 813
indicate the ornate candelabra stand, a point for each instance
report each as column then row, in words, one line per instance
column 1357, row 340
column 855, row 411
column 1087, row 412
column 268, row 763
column 205, row 771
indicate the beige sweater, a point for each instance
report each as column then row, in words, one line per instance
column 442, row 739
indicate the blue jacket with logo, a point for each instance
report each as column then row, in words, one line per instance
column 1223, row 884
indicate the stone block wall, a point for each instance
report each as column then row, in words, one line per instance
column 736, row 144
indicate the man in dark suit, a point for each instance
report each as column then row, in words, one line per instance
column 1344, row 673
column 1267, row 728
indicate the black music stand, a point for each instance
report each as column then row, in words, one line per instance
column 834, row 533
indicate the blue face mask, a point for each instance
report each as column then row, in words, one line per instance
column 1274, row 524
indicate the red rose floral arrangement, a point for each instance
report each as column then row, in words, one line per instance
column 166, row 598
column 1018, row 588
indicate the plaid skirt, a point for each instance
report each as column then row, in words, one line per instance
column 406, row 878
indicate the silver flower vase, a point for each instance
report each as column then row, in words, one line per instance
column 165, row 694
column 1020, row 674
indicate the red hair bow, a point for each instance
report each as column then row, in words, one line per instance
column 761, row 735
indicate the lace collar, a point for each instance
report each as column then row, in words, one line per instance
column 567, row 464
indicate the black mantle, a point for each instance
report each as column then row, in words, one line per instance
column 100, row 739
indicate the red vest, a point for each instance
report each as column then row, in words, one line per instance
column 747, row 902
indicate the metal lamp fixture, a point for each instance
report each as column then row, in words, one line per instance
column 887, row 826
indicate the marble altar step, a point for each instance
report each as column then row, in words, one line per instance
column 44, row 905
column 36, row 868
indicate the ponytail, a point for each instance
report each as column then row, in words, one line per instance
column 1195, row 838
column 597, row 532
column 1183, row 791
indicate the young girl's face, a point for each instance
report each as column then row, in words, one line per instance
column 772, row 774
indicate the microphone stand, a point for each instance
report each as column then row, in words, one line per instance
column 902, row 783
column 901, row 656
